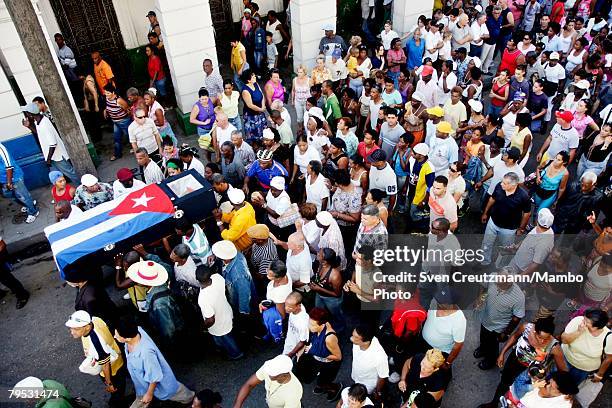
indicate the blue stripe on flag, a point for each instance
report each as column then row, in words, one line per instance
column 76, row 228
column 119, row 233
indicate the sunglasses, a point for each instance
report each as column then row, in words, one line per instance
column 140, row 117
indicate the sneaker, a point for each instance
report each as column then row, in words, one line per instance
column 25, row 209
column 391, row 361
column 394, row 378
column 126, row 296
column 32, row 218
column 318, row 390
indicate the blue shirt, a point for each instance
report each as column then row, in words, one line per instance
column 415, row 53
column 494, row 27
column 147, row 365
column 239, row 284
column 260, row 40
column 264, row 176
column 7, row 162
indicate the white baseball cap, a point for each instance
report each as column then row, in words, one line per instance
column 80, row 318
column 421, row 149
column 89, row 180
column 545, row 218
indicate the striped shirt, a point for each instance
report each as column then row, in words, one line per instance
column 152, row 173
column 6, row 163
column 501, row 305
column 115, row 111
column 263, row 255
column 198, row 243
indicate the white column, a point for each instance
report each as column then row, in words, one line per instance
column 189, row 38
column 407, row 12
column 307, row 20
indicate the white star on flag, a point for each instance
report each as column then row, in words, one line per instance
column 143, row 200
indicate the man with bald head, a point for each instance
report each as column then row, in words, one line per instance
column 65, row 211
column 299, row 262
column 297, row 328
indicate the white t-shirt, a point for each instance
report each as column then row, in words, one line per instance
column 451, row 81
column 533, row 400
column 383, row 179
column 186, row 272
column 478, row 30
column 443, row 152
column 212, row 302
column 48, row 137
column 288, row 395
column 456, row 186
column 297, row 330
column 374, row 108
column 279, row 204
column 302, row 160
column 443, row 332
column 299, row 267
column 387, row 37
column 500, row 170
column 197, row 165
column 345, row 399
column 278, row 294
column 562, row 139
column 120, row 190
column 225, row 135
column 585, row 352
column 431, row 41
column 554, row 74
column 317, row 191
column 369, row 365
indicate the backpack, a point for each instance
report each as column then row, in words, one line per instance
column 407, row 318
column 273, row 321
column 473, row 172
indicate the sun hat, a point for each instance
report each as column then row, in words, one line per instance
column 259, row 231
column 29, row 383
column 225, row 250
column 444, row 127
column 147, row 273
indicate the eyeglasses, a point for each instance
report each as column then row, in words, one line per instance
column 140, row 117
column 526, row 39
column 453, row 170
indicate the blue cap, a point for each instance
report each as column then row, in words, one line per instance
column 54, row 176
column 337, row 53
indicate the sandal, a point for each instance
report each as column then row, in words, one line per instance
column 113, row 158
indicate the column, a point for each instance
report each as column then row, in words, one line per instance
column 189, row 38
column 307, row 20
column 407, row 12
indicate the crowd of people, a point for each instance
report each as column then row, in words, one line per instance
column 432, row 131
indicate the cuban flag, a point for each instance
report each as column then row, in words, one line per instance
column 108, row 223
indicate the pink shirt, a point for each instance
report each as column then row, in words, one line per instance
column 395, row 56
column 580, row 124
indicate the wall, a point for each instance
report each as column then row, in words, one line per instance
column 133, row 22
column 264, row 7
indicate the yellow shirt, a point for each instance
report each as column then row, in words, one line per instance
column 518, row 138
column 108, row 342
column 239, row 222
column 585, row 352
column 351, row 65
column 236, row 61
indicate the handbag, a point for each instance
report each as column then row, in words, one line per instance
column 289, row 217
column 587, row 392
column 90, row 364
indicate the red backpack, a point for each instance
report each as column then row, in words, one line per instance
column 407, row 318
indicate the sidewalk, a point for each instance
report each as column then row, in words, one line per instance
column 30, row 238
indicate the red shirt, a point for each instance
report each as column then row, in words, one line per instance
column 155, row 66
column 558, row 10
column 499, row 90
column 364, row 152
column 508, row 60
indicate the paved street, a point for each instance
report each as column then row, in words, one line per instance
column 36, row 342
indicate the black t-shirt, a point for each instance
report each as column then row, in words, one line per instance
column 435, row 382
column 537, row 103
column 508, row 210
column 94, row 300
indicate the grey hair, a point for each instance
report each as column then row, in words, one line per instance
column 371, row 209
column 142, row 150
column 497, row 8
column 297, row 238
column 217, row 178
column 236, row 132
column 182, row 251
column 512, row 177
column 132, row 91
column 480, row 15
column 589, row 176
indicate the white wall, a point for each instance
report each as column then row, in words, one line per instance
column 133, row 23
column 264, row 7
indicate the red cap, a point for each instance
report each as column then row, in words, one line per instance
column 124, row 174
column 427, row 70
column 565, row 115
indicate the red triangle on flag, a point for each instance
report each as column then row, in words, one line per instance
column 148, row 199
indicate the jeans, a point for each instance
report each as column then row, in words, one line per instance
column 65, row 167
column 120, row 128
column 577, row 374
column 506, row 237
column 300, row 108
column 487, row 56
column 587, row 165
column 356, row 84
column 160, row 85
column 536, row 126
column 522, row 384
column 227, row 343
column 394, row 76
column 475, row 50
column 237, row 122
column 420, row 219
column 400, row 204
column 238, row 82
column 495, row 110
column 334, row 306
column 21, row 195
column 258, row 60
